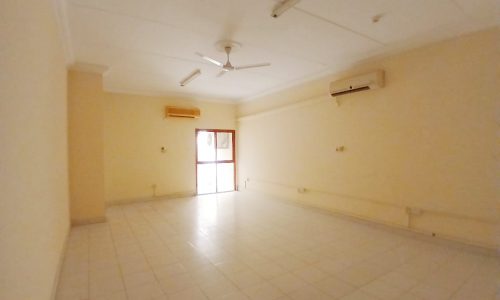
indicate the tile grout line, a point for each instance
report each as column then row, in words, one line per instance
column 145, row 257
column 174, row 227
column 197, row 284
column 116, row 255
column 222, row 273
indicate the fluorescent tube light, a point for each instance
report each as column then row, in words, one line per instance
column 282, row 7
column 190, row 77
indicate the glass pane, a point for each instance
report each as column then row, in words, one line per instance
column 225, row 177
column 206, row 178
column 206, row 146
column 224, row 146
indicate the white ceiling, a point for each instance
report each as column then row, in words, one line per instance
column 150, row 45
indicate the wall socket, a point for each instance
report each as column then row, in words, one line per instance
column 301, row 190
column 153, row 186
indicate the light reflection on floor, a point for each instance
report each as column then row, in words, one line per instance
column 248, row 246
column 207, row 208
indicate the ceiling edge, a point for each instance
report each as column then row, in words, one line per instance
column 287, row 85
column 180, row 96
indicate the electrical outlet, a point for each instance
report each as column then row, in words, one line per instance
column 301, row 190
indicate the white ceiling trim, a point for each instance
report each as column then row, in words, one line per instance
column 146, row 43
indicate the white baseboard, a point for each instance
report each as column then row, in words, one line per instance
column 88, row 221
column 185, row 194
column 412, row 232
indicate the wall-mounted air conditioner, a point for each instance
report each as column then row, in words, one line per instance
column 181, row 112
column 370, row 81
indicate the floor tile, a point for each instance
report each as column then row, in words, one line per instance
column 139, row 278
column 252, row 246
column 219, row 289
column 310, row 274
column 334, row 287
column 307, row 293
column 263, row 291
column 359, row 295
column 145, row 292
column 288, row 283
column 245, row 278
column 189, row 294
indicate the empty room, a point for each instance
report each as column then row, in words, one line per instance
column 258, row 150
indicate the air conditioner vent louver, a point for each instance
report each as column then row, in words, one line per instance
column 182, row 112
column 370, row 81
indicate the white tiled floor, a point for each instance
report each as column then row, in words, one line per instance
column 242, row 246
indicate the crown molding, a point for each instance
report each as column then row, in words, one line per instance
column 88, row 68
column 170, row 95
column 61, row 14
column 289, row 84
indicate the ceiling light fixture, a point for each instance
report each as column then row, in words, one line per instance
column 190, row 77
column 282, row 7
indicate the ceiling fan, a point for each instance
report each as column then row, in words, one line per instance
column 223, row 46
column 227, row 47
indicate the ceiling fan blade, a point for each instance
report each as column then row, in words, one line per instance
column 214, row 61
column 221, row 73
column 252, row 66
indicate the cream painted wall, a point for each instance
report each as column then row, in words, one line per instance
column 116, row 140
column 34, row 214
column 86, row 154
column 427, row 140
column 135, row 129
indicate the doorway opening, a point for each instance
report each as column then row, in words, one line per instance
column 215, row 161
